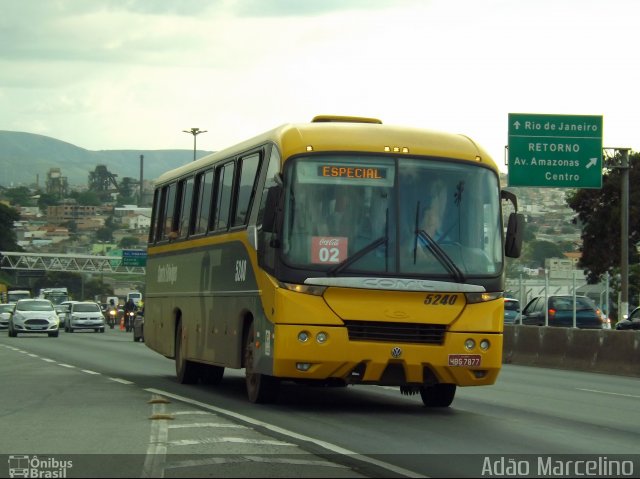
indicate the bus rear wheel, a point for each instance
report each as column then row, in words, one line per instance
column 438, row 395
column 187, row 372
column 261, row 388
column 211, row 375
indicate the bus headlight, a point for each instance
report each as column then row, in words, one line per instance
column 485, row 344
column 470, row 344
column 482, row 297
column 303, row 336
column 322, row 337
column 304, row 288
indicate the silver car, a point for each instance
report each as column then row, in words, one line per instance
column 85, row 315
column 34, row 316
column 5, row 314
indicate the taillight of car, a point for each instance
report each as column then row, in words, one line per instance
column 552, row 313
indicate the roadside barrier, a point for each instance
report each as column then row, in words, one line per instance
column 594, row 350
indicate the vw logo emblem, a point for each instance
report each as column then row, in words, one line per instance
column 396, row 352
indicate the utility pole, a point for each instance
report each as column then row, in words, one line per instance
column 140, row 184
column 195, row 132
column 624, row 235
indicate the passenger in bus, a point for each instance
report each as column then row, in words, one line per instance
column 434, row 213
column 430, row 204
column 350, row 217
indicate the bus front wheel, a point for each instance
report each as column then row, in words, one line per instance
column 186, row 371
column 261, row 388
column 438, row 395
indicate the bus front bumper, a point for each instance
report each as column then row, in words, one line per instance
column 384, row 363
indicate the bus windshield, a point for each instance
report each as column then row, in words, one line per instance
column 361, row 214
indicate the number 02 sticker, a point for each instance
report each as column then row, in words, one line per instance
column 329, row 249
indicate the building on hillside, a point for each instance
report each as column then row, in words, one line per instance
column 69, row 211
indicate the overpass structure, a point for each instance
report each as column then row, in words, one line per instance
column 67, row 262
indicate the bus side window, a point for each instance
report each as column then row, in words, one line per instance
column 224, row 187
column 153, row 229
column 272, row 170
column 246, row 188
column 186, row 200
column 204, row 191
column 167, row 216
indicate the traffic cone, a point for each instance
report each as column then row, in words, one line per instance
column 122, row 324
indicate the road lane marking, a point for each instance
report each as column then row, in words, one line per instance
column 609, row 393
column 154, row 461
column 121, row 381
column 32, row 355
column 323, row 444
column 207, row 424
column 88, row 371
column 214, row 461
column 204, row 413
column 48, row 360
column 236, row 440
column 66, row 365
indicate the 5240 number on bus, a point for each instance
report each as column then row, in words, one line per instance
column 441, row 299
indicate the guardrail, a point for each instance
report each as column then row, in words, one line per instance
column 593, row 350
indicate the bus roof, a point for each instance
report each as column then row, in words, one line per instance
column 338, row 133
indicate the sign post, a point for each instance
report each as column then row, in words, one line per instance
column 555, row 150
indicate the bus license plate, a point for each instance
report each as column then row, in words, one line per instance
column 464, row 360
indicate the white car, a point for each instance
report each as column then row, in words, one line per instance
column 34, row 316
column 84, row 315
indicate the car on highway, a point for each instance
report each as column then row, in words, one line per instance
column 560, row 312
column 62, row 310
column 631, row 322
column 33, row 316
column 511, row 311
column 138, row 327
column 85, row 315
column 5, row 314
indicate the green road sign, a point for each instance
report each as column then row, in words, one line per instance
column 134, row 257
column 555, row 151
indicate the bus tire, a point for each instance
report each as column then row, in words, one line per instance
column 186, row 371
column 438, row 395
column 211, row 375
column 261, row 388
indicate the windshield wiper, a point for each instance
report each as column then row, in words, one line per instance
column 357, row 255
column 442, row 257
column 383, row 240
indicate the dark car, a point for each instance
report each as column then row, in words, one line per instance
column 630, row 322
column 511, row 311
column 560, row 312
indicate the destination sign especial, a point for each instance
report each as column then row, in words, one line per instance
column 372, row 173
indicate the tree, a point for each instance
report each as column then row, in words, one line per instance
column 86, row 198
column 20, row 196
column 599, row 212
column 46, row 200
column 8, row 241
column 537, row 251
column 128, row 242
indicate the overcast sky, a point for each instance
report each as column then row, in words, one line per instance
column 133, row 74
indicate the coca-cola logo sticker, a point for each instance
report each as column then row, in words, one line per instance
column 329, row 249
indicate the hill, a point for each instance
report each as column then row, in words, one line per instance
column 26, row 158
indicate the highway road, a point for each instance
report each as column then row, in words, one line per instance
column 114, row 409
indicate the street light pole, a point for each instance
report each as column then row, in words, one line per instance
column 195, row 132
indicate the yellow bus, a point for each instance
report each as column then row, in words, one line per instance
column 307, row 254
